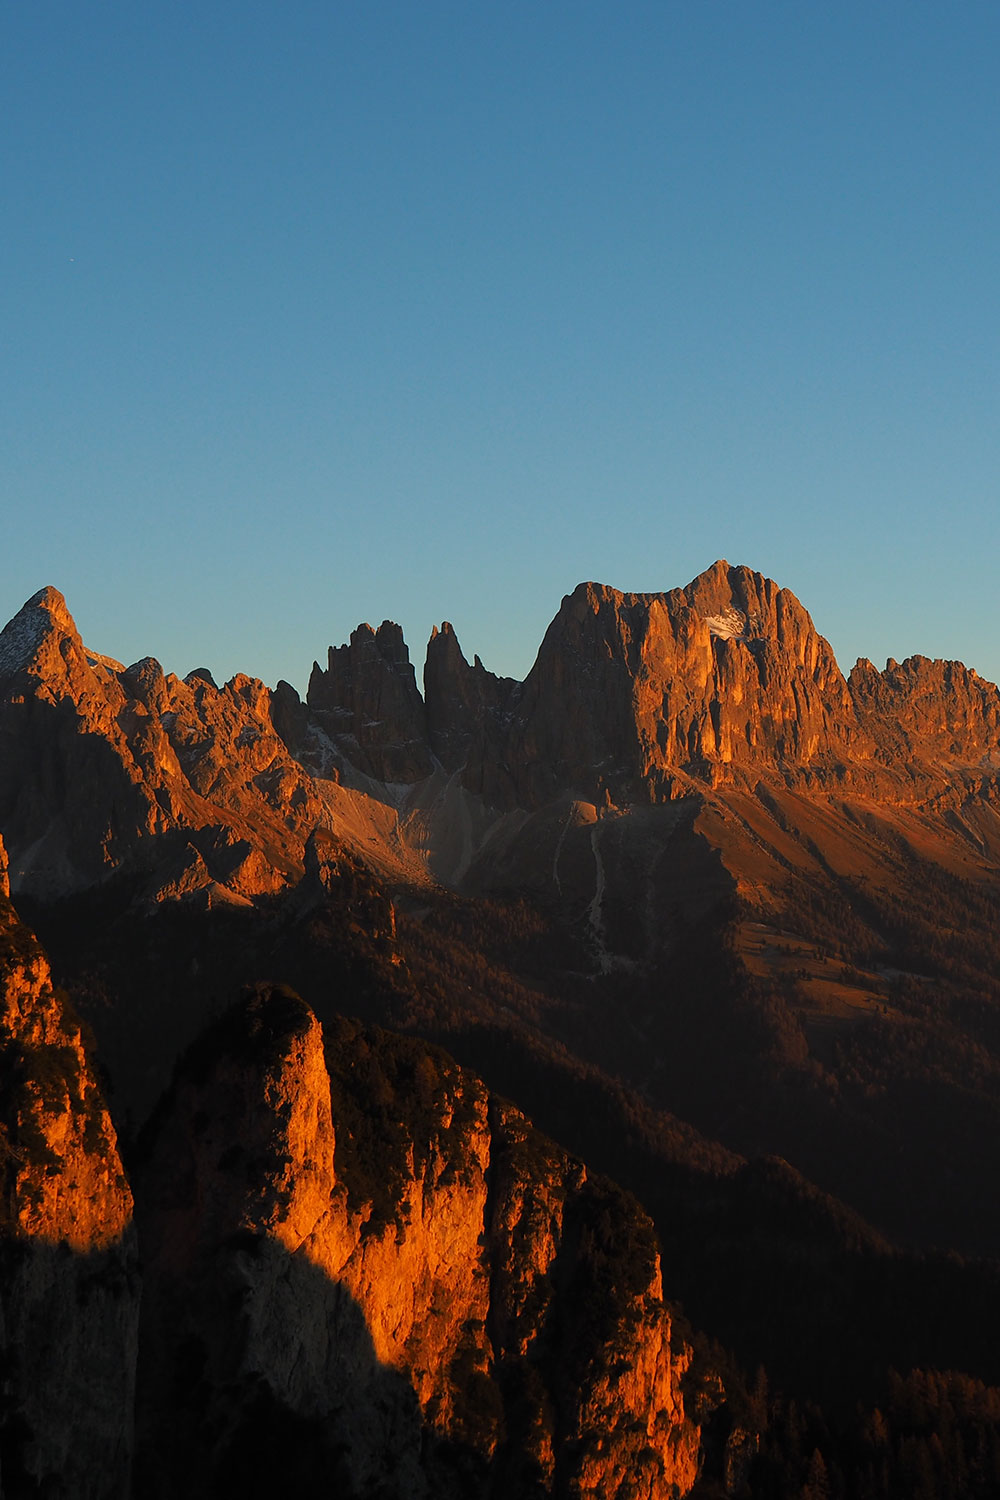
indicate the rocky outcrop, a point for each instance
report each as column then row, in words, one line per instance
column 639, row 698
column 632, row 691
column 75, row 796
column 68, row 1283
column 576, row 1296
column 368, row 704
column 929, row 709
column 105, row 768
column 197, row 792
column 349, row 1244
column 468, row 709
column 633, row 697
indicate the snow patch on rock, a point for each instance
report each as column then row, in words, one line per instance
column 729, row 626
column 95, row 659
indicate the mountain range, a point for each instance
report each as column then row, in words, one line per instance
column 718, row 920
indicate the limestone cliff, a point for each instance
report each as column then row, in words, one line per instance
column 631, row 696
column 644, row 698
column 68, row 1285
column 349, row 1243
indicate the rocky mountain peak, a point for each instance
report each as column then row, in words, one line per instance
column 49, row 601
column 446, row 632
column 633, row 695
column 392, row 647
column 147, row 680
column 101, row 759
column 369, row 707
column 467, row 708
column 35, row 631
column 633, row 698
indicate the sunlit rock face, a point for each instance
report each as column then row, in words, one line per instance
column 68, row 1283
column 631, row 689
column 630, row 694
column 633, row 697
column 106, row 768
column 350, row 1245
column 191, row 792
column 930, row 709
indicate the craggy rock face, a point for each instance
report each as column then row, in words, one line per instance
column 68, row 1285
column 357, row 1266
column 469, row 710
column 200, row 793
column 346, row 1238
column 629, row 688
column 104, row 768
column 939, row 709
column 642, row 697
column 357, row 1262
column 369, row 707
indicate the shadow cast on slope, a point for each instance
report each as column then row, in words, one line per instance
column 258, row 1376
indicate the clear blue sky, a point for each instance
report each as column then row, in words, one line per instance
column 328, row 310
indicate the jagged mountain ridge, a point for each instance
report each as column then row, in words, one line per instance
column 640, row 697
column 599, row 788
column 667, row 754
column 634, row 700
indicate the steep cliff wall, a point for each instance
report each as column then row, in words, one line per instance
column 368, row 704
column 633, row 697
column 346, row 1239
column 629, row 689
column 468, row 709
column 68, row 1283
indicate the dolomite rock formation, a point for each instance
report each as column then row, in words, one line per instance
column 349, row 1244
column 634, row 692
column 105, row 768
column 930, row 709
column 68, row 1283
column 633, row 697
column 709, row 689
column 368, row 704
column 704, row 695
column 468, row 708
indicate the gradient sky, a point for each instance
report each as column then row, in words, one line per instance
column 322, row 312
